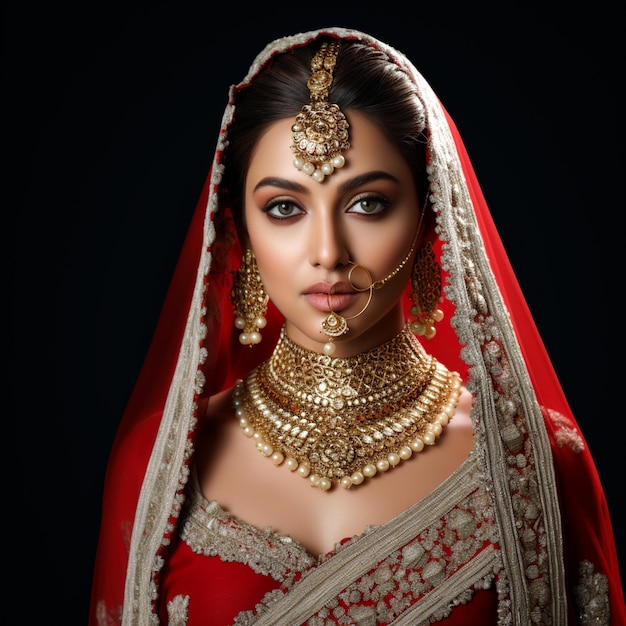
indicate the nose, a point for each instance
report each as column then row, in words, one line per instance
column 328, row 245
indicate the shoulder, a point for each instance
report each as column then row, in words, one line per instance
column 219, row 405
column 462, row 420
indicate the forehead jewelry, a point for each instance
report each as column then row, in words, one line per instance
column 320, row 132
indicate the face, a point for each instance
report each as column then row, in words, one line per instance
column 306, row 234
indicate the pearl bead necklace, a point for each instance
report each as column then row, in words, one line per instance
column 341, row 421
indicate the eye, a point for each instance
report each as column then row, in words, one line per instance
column 282, row 210
column 369, row 205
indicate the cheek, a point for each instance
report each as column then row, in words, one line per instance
column 276, row 260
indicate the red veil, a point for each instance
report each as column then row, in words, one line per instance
column 488, row 335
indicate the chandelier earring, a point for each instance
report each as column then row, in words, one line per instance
column 249, row 300
column 426, row 285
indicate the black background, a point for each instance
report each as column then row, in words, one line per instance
column 111, row 116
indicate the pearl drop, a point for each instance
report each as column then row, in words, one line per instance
column 292, row 464
column 435, row 428
column 308, row 168
column 304, row 470
column 357, row 478
column 417, row 328
column 325, row 484
column 329, row 348
column 244, row 339
column 338, row 161
column 255, row 337
column 277, row 458
column 428, row 438
column 438, row 315
column 243, row 421
column 382, row 465
column 260, row 322
column 327, row 169
column 346, row 482
column 248, row 431
column 417, row 445
column 266, row 449
column 318, row 175
column 443, row 418
column 314, row 479
column 393, row 459
column 369, row 470
column 240, row 323
column 405, row 453
column 298, row 163
column 257, row 437
column 430, row 332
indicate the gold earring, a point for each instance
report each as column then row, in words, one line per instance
column 426, row 283
column 249, row 300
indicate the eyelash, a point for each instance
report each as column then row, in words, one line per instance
column 275, row 203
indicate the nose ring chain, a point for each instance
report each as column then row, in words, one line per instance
column 335, row 324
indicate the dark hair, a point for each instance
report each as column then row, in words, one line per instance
column 364, row 80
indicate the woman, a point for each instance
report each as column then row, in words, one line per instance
column 450, row 481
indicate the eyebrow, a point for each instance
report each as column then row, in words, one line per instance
column 353, row 183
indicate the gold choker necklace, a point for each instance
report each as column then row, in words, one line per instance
column 335, row 420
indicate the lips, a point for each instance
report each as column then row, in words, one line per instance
column 341, row 297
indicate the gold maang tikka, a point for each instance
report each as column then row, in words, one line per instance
column 320, row 132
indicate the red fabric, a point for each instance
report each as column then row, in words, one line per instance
column 210, row 582
column 540, row 367
column 587, row 526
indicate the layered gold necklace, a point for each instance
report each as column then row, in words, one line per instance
column 342, row 420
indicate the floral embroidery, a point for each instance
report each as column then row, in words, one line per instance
column 434, row 559
column 209, row 530
column 177, row 611
column 591, row 596
column 565, row 434
column 108, row 617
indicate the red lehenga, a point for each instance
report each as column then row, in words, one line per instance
column 519, row 534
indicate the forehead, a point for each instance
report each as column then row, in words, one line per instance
column 369, row 150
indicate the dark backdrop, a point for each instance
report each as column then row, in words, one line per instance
column 110, row 123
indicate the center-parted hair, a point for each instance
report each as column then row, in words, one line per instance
column 365, row 80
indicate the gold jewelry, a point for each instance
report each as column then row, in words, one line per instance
column 336, row 420
column 335, row 324
column 249, row 300
column 320, row 131
column 426, row 282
